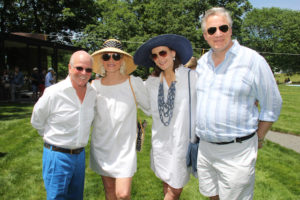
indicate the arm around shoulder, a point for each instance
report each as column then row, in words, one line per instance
column 41, row 112
column 141, row 94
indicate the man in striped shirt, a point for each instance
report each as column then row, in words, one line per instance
column 232, row 79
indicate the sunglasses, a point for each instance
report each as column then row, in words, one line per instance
column 115, row 56
column 161, row 54
column 87, row 70
column 224, row 28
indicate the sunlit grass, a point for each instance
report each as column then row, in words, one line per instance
column 280, row 78
column 289, row 119
column 277, row 174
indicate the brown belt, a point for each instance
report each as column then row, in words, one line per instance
column 59, row 149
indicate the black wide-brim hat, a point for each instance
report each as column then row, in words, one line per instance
column 178, row 43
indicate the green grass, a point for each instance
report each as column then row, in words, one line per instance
column 277, row 171
column 295, row 78
column 289, row 119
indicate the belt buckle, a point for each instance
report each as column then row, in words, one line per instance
column 71, row 151
column 239, row 140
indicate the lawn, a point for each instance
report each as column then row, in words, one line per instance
column 280, row 78
column 289, row 119
column 277, row 171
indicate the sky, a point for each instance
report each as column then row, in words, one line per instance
column 286, row 4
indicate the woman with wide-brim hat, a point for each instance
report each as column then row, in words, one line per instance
column 168, row 91
column 113, row 150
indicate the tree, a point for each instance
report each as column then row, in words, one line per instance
column 276, row 36
column 52, row 17
column 135, row 21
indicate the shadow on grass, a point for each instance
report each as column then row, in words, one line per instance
column 10, row 111
column 2, row 154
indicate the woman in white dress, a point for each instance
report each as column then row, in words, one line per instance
column 113, row 153
column 168, row 91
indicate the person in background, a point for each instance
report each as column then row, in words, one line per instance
column 230, row 125
column 63, row 117
column 50, row 77
column 113, row 143
column 168, row 91
column 35, row 81
column 5, row 84
column 17, row 82
column 42, row 83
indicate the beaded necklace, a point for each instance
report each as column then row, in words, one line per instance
column 166, row 108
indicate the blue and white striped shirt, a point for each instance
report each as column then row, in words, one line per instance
column 226, row 95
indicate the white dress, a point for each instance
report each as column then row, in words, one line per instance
column 170, row 143
column 113, row 140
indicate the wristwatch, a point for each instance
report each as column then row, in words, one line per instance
column 261, row 140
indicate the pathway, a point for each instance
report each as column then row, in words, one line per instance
column 285, row 140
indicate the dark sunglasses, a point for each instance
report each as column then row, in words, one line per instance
column 115, row 56
column 224, row 28
column 87, row 70
column 161, row 54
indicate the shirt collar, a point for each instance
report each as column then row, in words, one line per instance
column 235, row 47
column 68, row 83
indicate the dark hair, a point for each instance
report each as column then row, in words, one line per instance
column 156, row 72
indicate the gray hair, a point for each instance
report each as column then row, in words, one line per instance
column 215, row 11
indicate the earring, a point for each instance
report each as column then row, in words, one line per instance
column 102, row 71
column 173, row 58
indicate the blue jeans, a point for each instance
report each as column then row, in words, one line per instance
column 63, row 174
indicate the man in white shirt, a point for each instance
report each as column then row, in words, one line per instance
column 63, row 117
column 49, row 79
column 232, row 78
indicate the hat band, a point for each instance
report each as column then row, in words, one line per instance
column 112, row 43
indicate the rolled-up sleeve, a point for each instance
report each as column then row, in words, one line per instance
column 267, row 92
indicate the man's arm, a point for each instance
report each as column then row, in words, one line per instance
column 40, row 113
column 262, row 131
column 268, row 97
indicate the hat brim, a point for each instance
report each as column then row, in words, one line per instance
column 178, row 43
column 97, row 60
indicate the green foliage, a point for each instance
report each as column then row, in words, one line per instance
column 277, row 32
column 90, row 22
column 63, row 68
column 134, row 22
column 56, row 17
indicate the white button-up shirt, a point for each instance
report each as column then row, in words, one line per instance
column 61, row 118
column 226, row 95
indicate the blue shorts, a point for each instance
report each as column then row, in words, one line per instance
column 63, row 174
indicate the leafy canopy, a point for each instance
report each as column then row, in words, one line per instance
column 276, row 36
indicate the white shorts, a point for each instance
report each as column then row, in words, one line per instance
column 227, row 170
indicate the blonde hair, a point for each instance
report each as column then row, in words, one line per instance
column 192, row 63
